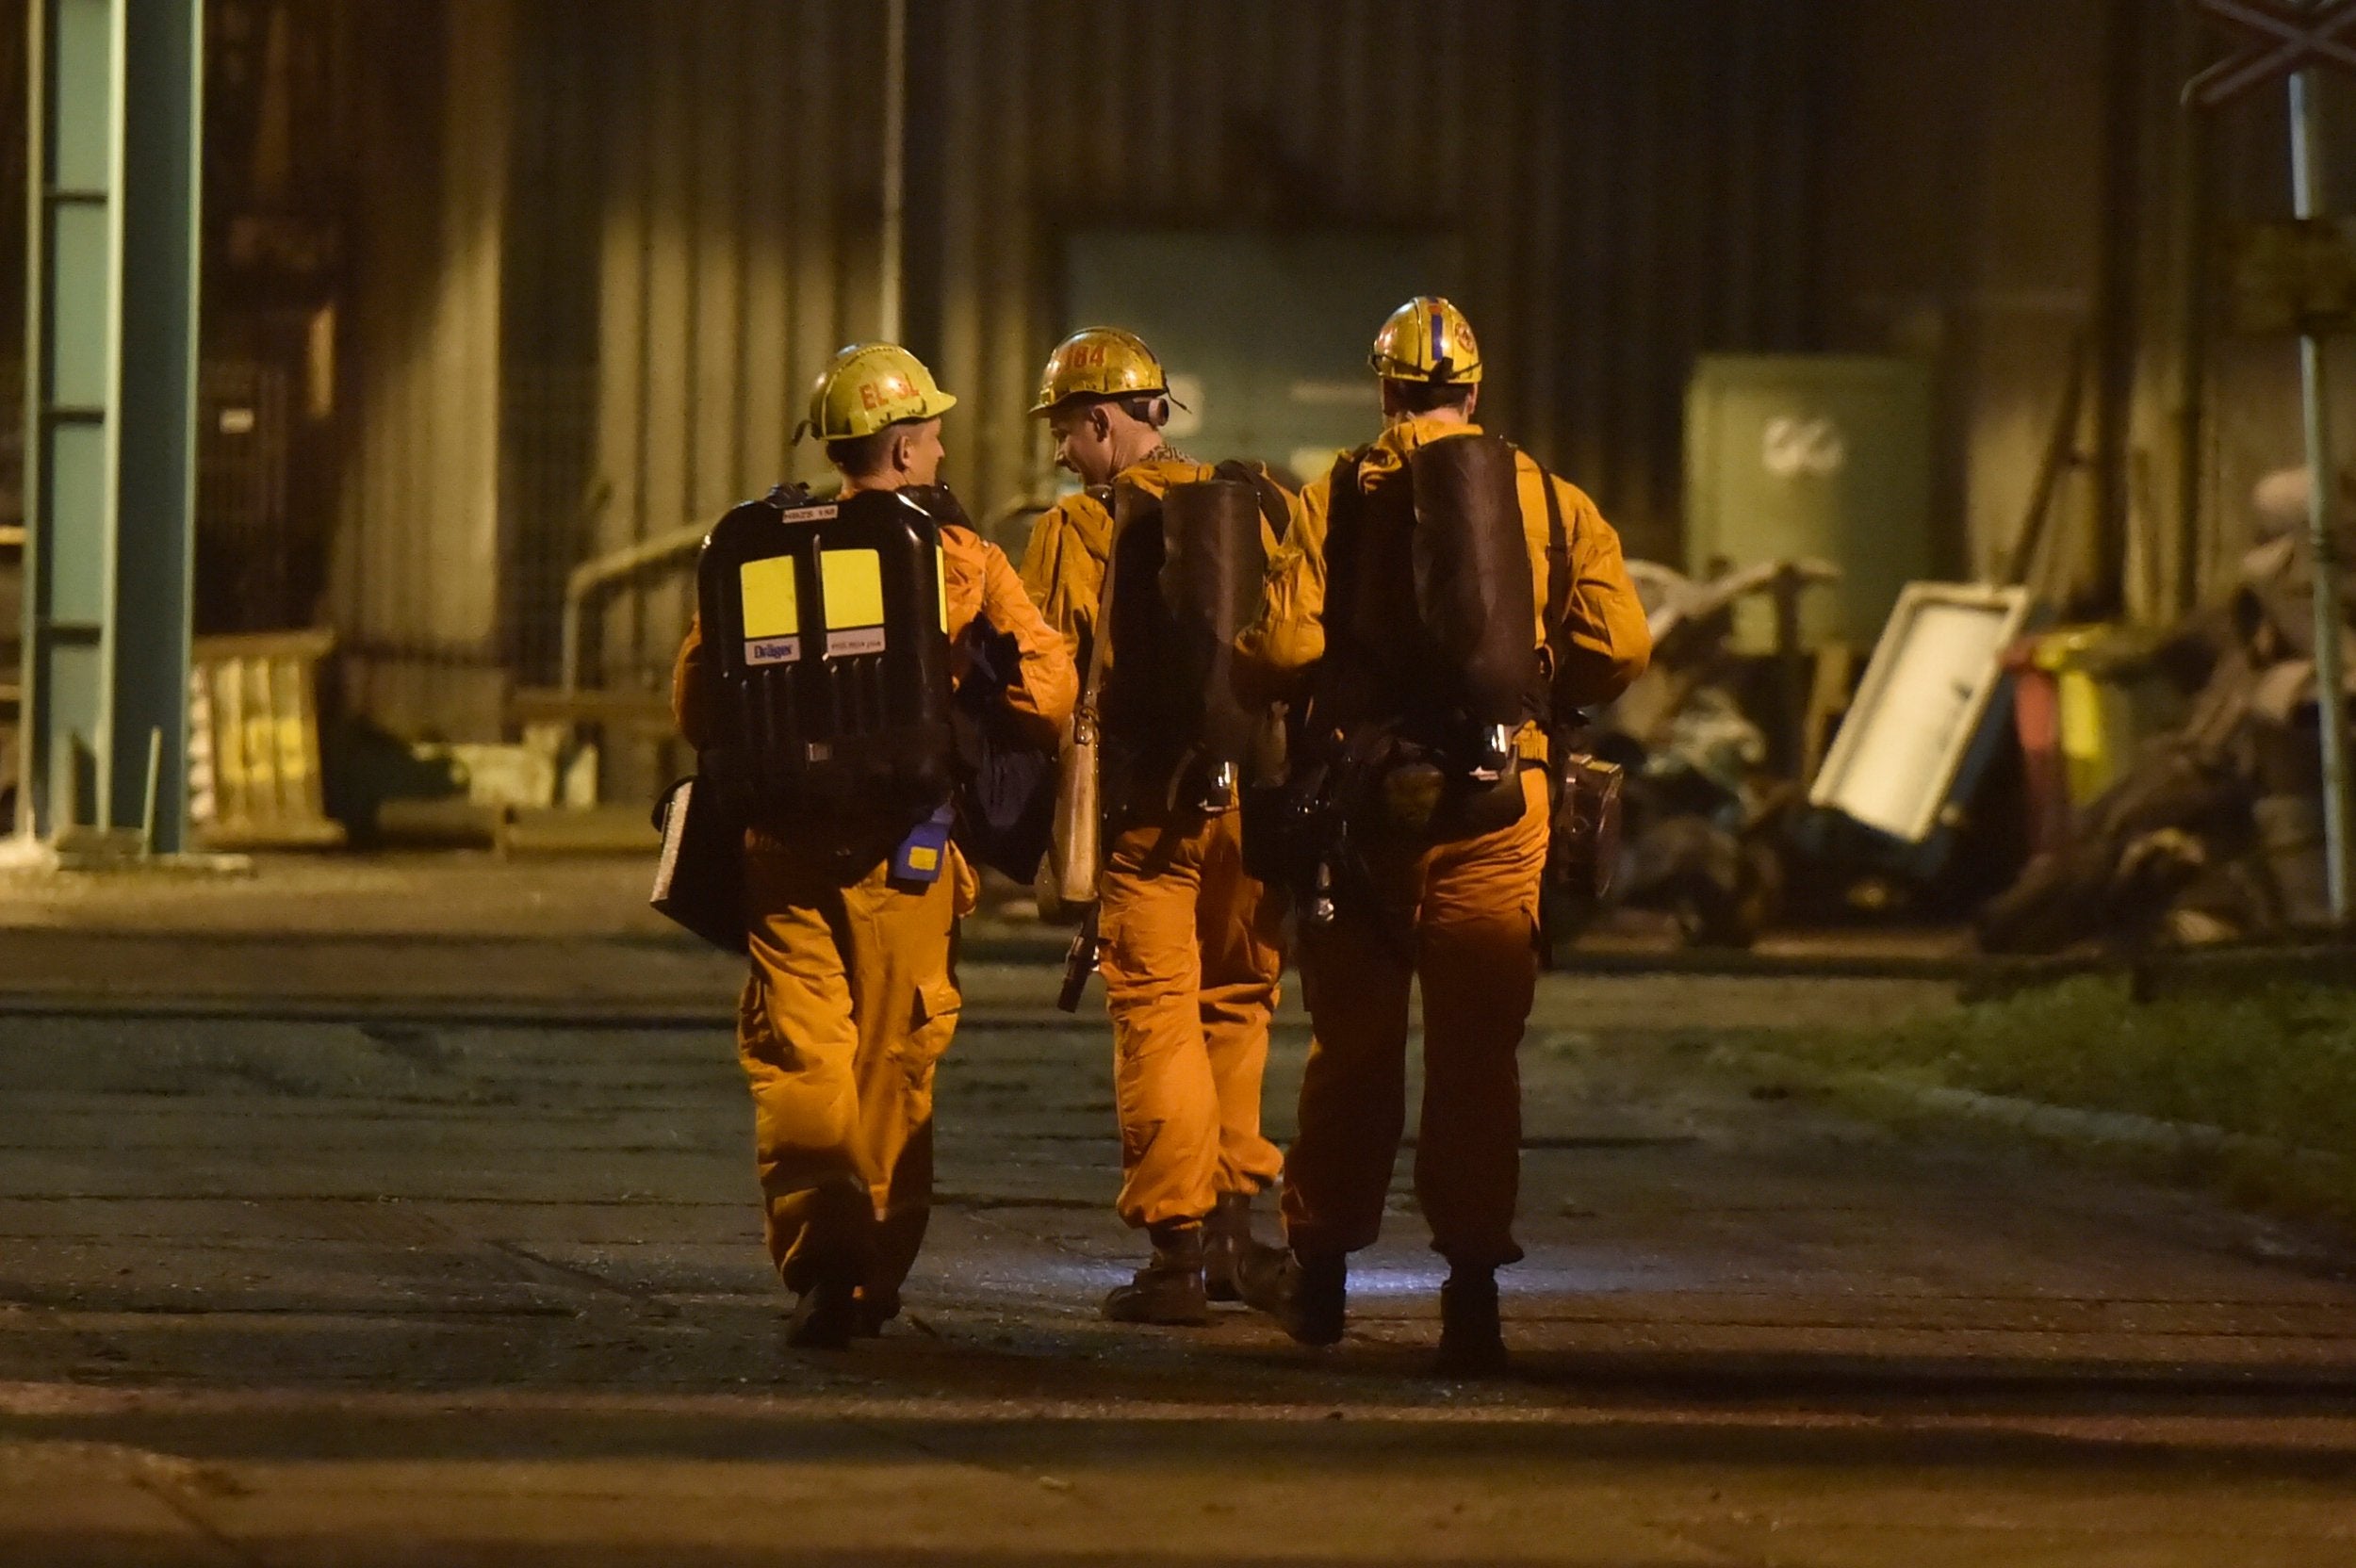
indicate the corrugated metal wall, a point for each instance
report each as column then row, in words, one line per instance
column 417, row 558
column 1628, row 183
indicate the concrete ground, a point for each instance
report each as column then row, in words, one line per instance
column 399, row 1239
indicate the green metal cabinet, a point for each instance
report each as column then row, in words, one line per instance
column 1793, row 456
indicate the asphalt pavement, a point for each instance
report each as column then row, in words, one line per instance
column 314, row 1249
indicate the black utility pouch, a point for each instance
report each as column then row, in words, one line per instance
column 700, row 880
column 1583, row 849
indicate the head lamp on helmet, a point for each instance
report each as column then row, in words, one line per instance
column 1427, row 340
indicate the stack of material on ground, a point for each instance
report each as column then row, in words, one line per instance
column 2215, row 832
column 1705, row 807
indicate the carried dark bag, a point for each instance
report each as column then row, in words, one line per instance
column 1007, row 796
column 828, row 628
column 699, row 878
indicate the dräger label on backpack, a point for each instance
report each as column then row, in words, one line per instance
column 773, row 650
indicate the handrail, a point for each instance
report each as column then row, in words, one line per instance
column 600, row 573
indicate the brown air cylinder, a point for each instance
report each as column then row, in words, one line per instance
column 1473, row 590
column 1213, row 561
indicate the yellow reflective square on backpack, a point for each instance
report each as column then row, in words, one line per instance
column 852, row 581
column 771, row 597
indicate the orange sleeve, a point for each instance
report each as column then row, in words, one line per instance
column 691, row 688
column 1606, row 641
column 1063, row 575
column 1046, row 684
column 1289, row 634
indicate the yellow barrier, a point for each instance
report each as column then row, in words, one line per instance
column 253, row 742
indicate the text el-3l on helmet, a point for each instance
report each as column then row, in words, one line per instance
column 868, row 386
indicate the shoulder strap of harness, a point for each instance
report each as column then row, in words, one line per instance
column 1100, row 637
column 1343, row 502
column 1102, row 496
column 1341, row 548
column 1558, row 554
column 1558, row 591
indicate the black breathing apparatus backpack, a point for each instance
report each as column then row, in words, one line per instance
column 826, row 623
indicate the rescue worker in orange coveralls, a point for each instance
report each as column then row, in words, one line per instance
column 853, row 996
column 1458, row 913
column 1191, row 946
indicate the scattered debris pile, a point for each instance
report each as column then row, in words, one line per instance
column 2215, row 832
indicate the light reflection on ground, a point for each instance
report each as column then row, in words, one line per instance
column 1548, row 1271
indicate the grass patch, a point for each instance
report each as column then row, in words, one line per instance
column 2274, row 1068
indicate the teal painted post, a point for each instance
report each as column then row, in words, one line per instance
column 110, row 471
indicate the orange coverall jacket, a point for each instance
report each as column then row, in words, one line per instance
column 1460, row 916
column 1192, row 947
column 852, row 998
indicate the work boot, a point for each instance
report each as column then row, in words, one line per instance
column 1472, row 1340
column 1227, row 1244
column 876, row 1307
column 1307, row 1296
column 826, row 1316
column 1169, row 1289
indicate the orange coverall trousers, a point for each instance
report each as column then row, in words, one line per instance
column 852, row 1000
column 1191, row 957
column 1462, row 917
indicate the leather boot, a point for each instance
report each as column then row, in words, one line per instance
column 1228, row 1243
column 1169, row 1289
column 1307, row 1296
column 1472, row 1340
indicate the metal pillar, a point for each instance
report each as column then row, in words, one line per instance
column 2330, row 707
column 895, row 163
column 117, row 98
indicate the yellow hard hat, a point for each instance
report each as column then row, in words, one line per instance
column 1428, row 340
column 1098, row 362
column 869, row 386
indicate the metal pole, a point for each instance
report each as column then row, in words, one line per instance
column 155, row 780
column 894, row 166
column 2330, row 709
column 113, row 247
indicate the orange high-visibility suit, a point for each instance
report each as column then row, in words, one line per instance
column 853, row 994
column 1460, row 916
column 1192, row 947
